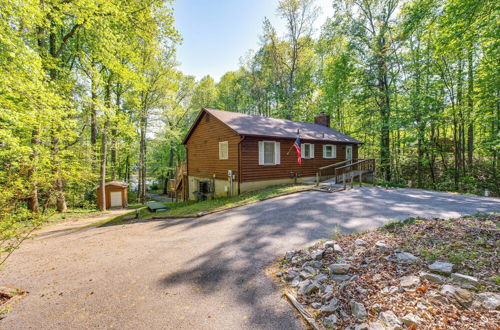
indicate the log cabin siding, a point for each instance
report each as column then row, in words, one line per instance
column 252, row 171
column 203, row 149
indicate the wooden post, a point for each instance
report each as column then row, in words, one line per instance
column 360, row 178
column 352, row 179
column 317, row 179
column 343, row 180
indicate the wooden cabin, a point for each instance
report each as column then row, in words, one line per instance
column 116, row 195
column 229, row 152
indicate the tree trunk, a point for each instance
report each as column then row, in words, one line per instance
column 142, row 158
column 104, row 146
column 470, row 103
column 93, row 124
column 104, row 151
column 33, row 204
column 58, row 184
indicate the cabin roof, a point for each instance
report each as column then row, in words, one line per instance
column 257, row 125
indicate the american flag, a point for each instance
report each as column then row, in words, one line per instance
column 296, row 145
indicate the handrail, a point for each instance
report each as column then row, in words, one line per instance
column 355, row 163
column 333, row 165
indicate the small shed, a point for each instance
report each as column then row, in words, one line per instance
column 116, row 194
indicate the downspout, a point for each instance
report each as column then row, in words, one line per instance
column 239, row 163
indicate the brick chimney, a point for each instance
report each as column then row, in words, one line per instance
column 322, row 119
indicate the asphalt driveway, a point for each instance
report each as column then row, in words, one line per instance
column 205, row 273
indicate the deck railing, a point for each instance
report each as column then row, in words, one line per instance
column 361, row 165
column 177, row 183
column 329, row 170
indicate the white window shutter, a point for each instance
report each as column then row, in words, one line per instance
column 302, row 151
column 261, row 153
column 334, row 151
column 324, row 150
column 312, row 150
column 277, row 153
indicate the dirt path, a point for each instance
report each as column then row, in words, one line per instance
column 204, row 273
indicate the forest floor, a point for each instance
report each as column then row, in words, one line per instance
column 416, row 273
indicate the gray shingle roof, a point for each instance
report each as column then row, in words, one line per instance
column 256, row 125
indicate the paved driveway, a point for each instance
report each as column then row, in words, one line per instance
column 204, row 273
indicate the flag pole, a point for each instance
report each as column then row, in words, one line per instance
column 298, row 135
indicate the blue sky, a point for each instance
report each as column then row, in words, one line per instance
column 217, row 33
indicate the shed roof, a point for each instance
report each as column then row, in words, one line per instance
column 117, row 183
column 257, row 125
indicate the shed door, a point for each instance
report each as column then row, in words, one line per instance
column 116, row 198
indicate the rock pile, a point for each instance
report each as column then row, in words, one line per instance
column 371, row 285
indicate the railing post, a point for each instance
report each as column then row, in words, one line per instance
column 360, row 178
column 317, row 179
column 343, row 180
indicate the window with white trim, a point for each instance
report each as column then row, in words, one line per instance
column 269, row 153
column 307, row 150
column 223, row 150
column 329, row 151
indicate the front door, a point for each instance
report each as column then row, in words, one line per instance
column 116, row 199
column 348, row 152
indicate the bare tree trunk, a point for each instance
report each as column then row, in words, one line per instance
column 93, row 123
column 33, row 204
column 104, row 151
column 58, row 184
column 142, row 158
column 470, row 102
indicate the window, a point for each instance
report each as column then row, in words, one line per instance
column 269, row 153
column 307, row 150
column 223, row 150
column 329, row 151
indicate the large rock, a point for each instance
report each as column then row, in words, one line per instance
column 317, row 254
column 441, row 267
column 409, row 282
column 315, row 263
column 339, row 268
column 295, row 282
column 448, row 290
column 329, row 244
column 291, row 275
column 406, row 258
column 321, row 278
column 465, row 281
column 381, row 245
column 330, row 322
column 308, row 287
column 462, row 296
column 390, row 319
column 376, row 326
column 358, row 310
column 340, row 278
column 360, row 242
column 490, row 300
column 412, row 320
column 289, row 255
column 433, row 278
column 337, row 248
column 331, row 307
column 390, row 289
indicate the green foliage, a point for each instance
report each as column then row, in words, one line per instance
column 70, row 73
